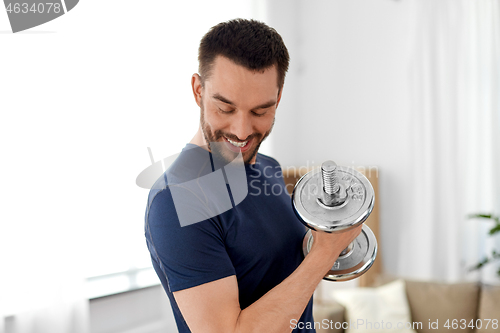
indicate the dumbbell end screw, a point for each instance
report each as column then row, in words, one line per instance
column 331, row 185
column 329, row 175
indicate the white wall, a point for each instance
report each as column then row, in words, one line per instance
column 346, row 95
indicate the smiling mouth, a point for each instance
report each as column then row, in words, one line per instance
column 238, row 146
column 236, row 143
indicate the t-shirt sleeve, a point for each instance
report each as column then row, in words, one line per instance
column 188, row 256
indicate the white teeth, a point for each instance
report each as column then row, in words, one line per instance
column 238, row 144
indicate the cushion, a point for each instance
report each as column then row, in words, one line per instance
column 439, row 303
column 333, row 312
column 375, row 310
column 489, row 308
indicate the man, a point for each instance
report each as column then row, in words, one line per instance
column 241, row 270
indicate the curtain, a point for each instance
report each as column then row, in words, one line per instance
column 41, row 243
column 81, row 99
column 455, row 115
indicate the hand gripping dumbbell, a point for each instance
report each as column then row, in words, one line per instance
column 335, row 199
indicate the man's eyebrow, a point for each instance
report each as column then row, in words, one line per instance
column 222, row 99
column 265, row 105
column 262, row 106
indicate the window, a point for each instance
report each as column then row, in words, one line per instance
column 76, row 123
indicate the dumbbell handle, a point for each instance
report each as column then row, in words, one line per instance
column 330, row 188
column 338, row 272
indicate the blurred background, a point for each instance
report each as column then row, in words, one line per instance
column 408, row 88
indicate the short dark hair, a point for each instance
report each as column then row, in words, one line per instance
column 248, row 43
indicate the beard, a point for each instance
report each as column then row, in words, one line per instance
column 218, row 136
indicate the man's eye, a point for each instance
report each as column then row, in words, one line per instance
column 225, row 111
column 259, row 114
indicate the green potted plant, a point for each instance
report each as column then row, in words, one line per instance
column 495, row 229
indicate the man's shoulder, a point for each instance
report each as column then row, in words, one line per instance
column 266, row 159
column 191, row 163
column 158, row 187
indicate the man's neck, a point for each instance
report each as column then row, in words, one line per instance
column 199, row 139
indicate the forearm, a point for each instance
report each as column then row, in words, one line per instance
column 274, row 311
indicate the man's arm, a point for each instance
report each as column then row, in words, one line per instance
column 214, row 306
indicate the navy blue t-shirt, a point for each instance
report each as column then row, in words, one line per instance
column 259, row 240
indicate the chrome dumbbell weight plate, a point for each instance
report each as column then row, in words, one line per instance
column 334, row 199
column 311, row 210
column 353, row 261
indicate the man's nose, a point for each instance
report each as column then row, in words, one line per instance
column 242, row 126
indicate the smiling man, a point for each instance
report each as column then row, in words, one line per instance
column 241, row 270
column 226, row 65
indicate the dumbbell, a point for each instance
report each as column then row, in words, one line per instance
column 335, row 199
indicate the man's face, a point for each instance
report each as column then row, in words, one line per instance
column 238, row 108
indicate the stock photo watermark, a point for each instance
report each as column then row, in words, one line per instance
column 205, row 184
column 364, row 324
column 26, row 14
column 358, row 324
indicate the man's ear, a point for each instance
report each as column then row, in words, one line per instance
column 279, row 97
column 197, row 88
